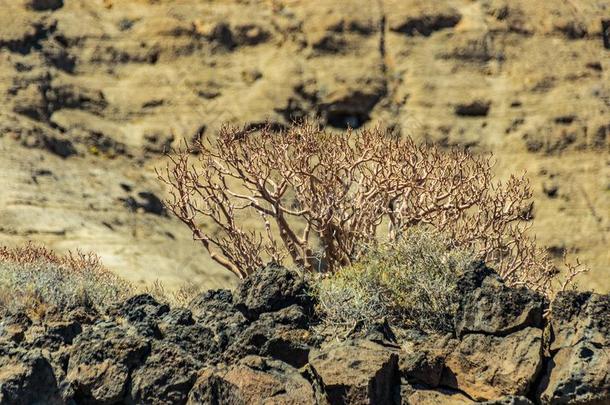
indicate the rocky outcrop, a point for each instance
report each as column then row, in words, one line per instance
column 101, row 362
column 358, row 372
column 254, row 380
column 577, row 370
column 488, row 367
column 27, row 377
column 489, row 307
column 262, row 344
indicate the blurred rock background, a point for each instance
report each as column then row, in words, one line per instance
column 93, row 91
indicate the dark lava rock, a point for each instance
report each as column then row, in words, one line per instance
column 198, row 340
column 14, row 326
column 101, row 360
column 489, row 306
column 143, row 312
column 214, row 310
column 422, row 360
column 141, row 308
column 281, row 335
column 211, row 302
column 55, row 335
column 211, row 388
column 359, row 372
column 259, row 344
column 271, row 289
column 578, row 371
column 27, row 377
column 166, row 377
column 178, row 316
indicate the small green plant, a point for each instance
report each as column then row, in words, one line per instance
column 38, row 281
column 411, row 281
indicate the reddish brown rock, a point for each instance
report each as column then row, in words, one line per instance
column 360, row 372
column 489, row 367
column 254, row 380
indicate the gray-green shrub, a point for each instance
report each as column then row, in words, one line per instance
column 38, row 281
column 411, row 281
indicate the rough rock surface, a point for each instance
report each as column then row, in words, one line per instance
column 487, row 367
column 93, row 92
column 254, row 380
column 358, row 372
column 578, row 370
column 27, row 377
column 489, row 307
column 270, row 291
column 259, row 344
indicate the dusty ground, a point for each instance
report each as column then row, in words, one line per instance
column 93, row 91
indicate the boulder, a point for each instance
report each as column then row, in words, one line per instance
column 282, row 335
column 27, row 377
column 422, row 360
column 357, row 372
column 210, row 303
column 487, row 367
column 53, row 335
column 143, row 312
column 214, row 309
column 271, row 289
column 488, row 306
column 178, row 317
column 101, row 360
column 198, row 340
column 211, row 388
column 141, row 308
column 14, row 326
column 254, row 380
column 578, row 370
column 166, row 377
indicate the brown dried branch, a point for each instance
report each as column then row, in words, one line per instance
column 319, row 191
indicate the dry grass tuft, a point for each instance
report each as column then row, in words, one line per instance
column 411, row 281
column 37, row 280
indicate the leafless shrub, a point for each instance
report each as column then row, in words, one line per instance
column 317, row 191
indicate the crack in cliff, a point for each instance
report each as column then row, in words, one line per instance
column 388, row 87
column 382, row 38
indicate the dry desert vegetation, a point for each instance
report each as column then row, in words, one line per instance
column 304, row 202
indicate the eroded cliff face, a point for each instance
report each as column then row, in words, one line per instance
column 93, row 92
